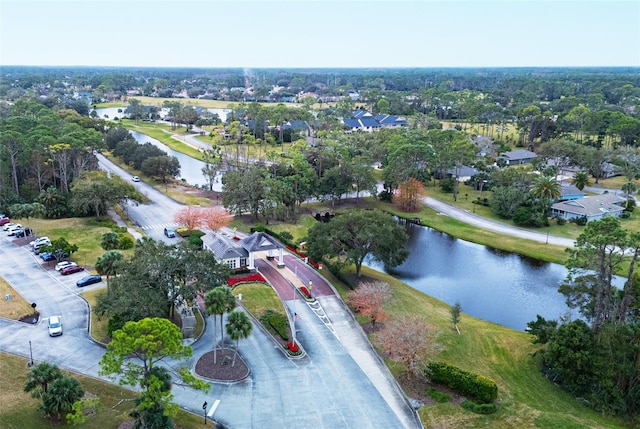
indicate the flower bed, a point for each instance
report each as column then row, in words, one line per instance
column 303, row 255
column 253, row 277
column 306, row 292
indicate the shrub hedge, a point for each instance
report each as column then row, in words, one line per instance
column 482, row 388
column 276, row 322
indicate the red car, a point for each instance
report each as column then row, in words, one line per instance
column 4, row 220
column 71, row 269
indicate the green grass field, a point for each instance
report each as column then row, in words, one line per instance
column 526, row 399
column 18, row 409
column 78, row 231
column 258, row 298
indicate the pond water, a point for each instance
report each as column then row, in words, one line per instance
column 190, row 168
column 490, row 284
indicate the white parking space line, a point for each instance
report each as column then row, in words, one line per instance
column 213, row 408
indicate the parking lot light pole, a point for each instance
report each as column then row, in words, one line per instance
column 31, row 355
column 204, row 408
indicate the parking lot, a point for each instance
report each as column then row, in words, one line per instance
column 37, row 282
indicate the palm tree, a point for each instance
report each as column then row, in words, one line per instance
column 628, row 189
column 40, row 377
column 63, row 393
column 581, row 179
column 108, row 264
column 545, row 189
column 238, row 327
column 217, row 302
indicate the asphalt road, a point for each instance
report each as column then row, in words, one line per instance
column 152, row 217
column 480, row 222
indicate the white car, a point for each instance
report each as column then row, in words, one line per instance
column 55, row 326
column 40, row 241
column 135, row 178
column 9, row 225
column 61, row 265
column 15, row 228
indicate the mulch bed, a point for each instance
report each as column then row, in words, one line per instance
column 222, row 370
column 30, row 318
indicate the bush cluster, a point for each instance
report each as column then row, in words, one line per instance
column 482, row 388
column 276, row 323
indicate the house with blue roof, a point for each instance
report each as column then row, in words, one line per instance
column 361, row 120
column 390, row 121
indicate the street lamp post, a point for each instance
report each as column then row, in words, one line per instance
column 204, row 408
column 30, row 354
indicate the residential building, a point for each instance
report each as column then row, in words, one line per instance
column 518, row 157
column 593, row 208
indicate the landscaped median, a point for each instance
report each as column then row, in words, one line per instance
column 262, row 302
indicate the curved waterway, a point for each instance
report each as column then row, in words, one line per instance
column 493, row 285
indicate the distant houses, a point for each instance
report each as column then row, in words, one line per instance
column 361, row 120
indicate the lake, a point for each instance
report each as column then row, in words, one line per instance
column 493, row 285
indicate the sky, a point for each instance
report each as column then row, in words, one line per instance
column 321, row 33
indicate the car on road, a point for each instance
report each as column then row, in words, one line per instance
column 88, row 280
column 60, row 265
column 55, row 326
column 170, row 232
column 47, row 256
column 135, row 178
column 70, row 269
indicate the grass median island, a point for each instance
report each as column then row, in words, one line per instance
column 258, row 297
column 99, row 325
column 14, row 308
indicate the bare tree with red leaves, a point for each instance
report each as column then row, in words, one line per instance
column 407, row 339
column 190, row 217
column 216, row 217
column 409, row 196
column 369, row 299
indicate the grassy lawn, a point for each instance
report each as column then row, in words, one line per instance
column 258, row 298
column 14, row 308
column 475, row 128
column 164, row 134
column 78, row 231
column 99, row 325
column 209, row 104
column 615, row 183
column 526, row 399
column 19, row 408
column 298, row 230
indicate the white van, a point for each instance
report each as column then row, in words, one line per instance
column 55, row 326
